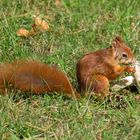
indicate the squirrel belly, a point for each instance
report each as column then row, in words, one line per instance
column 95, row 70
column 35, row 77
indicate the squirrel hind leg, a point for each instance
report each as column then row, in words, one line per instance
column 99, row 84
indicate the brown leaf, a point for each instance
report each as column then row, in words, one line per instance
column 38, row 26
column 42, row 24
column 26, row 33
column 23, row 32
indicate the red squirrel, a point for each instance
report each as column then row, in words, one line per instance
column 94, row 71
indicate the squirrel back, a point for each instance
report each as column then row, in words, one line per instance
column 36, row 77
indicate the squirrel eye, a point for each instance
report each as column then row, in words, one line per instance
column 124, row 55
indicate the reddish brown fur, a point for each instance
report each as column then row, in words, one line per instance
column 95, row 70
column 35, row 77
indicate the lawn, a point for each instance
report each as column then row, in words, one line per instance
column 76, row 28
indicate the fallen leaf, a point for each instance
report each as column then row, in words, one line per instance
column 23, row 32
column 43, row 25
column 26, row 33
column 37, row 27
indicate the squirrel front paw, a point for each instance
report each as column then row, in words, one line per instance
column 130, row 69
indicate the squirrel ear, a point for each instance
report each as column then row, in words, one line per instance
column 116, row 41
column 114, row 48
column 119, row 39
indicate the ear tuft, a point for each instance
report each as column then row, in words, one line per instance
column 117, row 41
column 118, row 38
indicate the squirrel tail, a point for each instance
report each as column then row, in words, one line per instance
column 36, row 77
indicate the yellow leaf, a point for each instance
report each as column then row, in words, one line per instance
column 23, row 32
column 43, row 25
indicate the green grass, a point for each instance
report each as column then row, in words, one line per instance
column 77, row 27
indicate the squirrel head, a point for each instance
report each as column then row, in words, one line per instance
column 122, row 53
